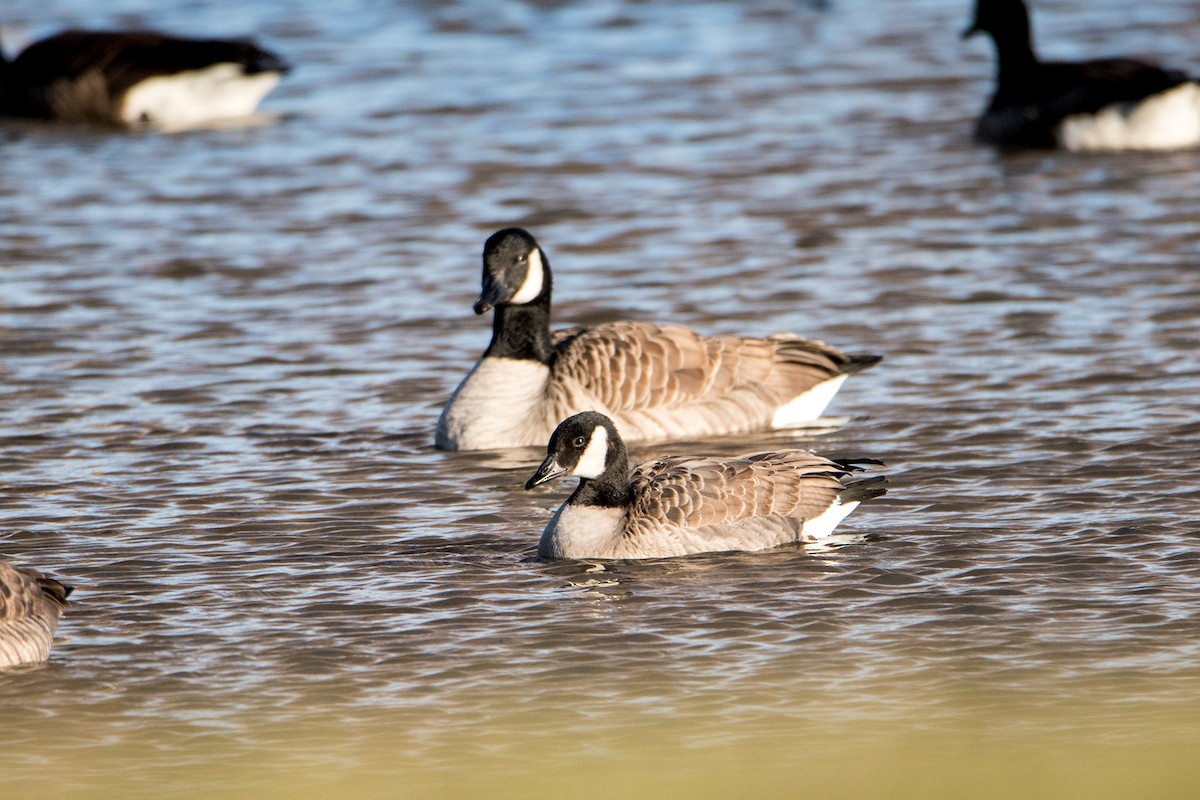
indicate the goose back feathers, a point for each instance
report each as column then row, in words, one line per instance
column 30, row 605
column 686, row 504
column 656, row 382
column 1105, row 104
column 137, row 78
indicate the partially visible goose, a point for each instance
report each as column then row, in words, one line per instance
column 137, row 78
column 656, row 382
column 30, row 605
column 1106, row 104
column 678, row 506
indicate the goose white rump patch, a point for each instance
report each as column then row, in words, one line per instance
column 822, row 526
column 808, row 406
column 196, row 97
column 1160, row 122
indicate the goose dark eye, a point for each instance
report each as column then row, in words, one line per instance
column 579, row 441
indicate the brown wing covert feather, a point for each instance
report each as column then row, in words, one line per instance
column 695, row 492
column 634, row 366
column 23, row 591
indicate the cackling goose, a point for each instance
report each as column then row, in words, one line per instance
column 681, row 505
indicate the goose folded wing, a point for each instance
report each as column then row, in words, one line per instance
column 637, row 365
column 1093, row 85
column 697, row 492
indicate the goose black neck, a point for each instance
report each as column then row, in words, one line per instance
column 522, row 331
column 612, row 489
column 1015, row 57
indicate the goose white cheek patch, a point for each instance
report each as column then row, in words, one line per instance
column 595, row 455
column 534, row 278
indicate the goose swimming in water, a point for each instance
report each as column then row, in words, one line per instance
column 1105, row 104
column 137, row 79
column 682, row 505
column 30, row 605
column 656, row 382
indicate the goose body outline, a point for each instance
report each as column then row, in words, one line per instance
column 657, row 382
column 137, row 79
column 684, row 505
column 1102, row 104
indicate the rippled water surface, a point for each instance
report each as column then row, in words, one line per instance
column 222, row 355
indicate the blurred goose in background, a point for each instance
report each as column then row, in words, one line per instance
column 137, row 79
column 682, row 505
column 655, row 381
column 1106, row 104
column 30, row 605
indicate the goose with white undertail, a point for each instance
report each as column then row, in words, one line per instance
column 30, row 606
column 683, row 505
column 138, row 79
column 656, row 382
column 1103, row 104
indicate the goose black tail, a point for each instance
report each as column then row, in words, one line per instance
column 864, row 489
column 55, row 590
column 857, row 362
column 266, row 61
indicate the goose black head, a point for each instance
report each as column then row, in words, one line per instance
column 583, row 446
column 1001, row 19
column 515, row 270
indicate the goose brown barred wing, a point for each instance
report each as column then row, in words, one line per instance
column 697, row 492
column 30, row 605
column 632, row 369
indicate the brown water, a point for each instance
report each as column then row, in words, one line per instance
column 222, row 355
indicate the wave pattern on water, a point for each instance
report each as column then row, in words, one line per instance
column 222, row 355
